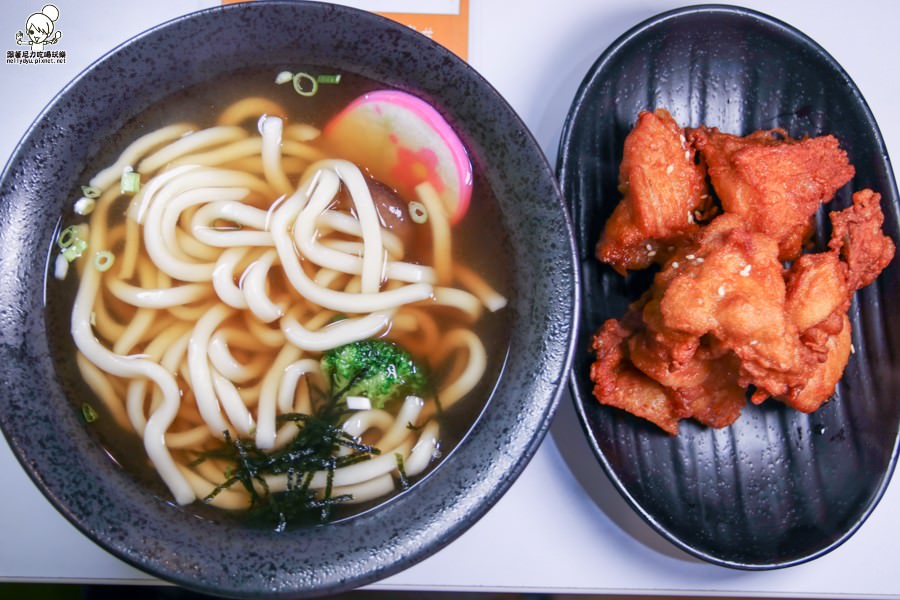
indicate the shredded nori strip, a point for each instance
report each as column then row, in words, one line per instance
column 404, row 482
column 313, row 449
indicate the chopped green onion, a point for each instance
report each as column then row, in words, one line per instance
column 299, row 85
column 88, row 413
column 85, row 206
column 304, row 83
column 67, row 237
column 418, row 213
column 75, row 250
column 60, row 267
column 104, row 260
column 131, row 182
column 90, row 191
column 337, row 318
column 284, row 77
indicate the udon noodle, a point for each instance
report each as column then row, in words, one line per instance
column 248, row 252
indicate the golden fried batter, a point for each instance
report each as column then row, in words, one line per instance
column 723, row 315
column 819, row 290
column 824, row 376
column 617, row 383
column 816, row 288
column 774, row 182
column 729, row 285
column 856, row 234
column 664, row 195
column 718, row 399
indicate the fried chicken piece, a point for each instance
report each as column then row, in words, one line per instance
column 718, row 399
column 820, row 288
column 856, row 234
column 775, row 184
column 669, row 348
column 664, row 193
column 729, row 285
column 723, row 315
column 727, row 288
column 650, row 354
column 617, row 383
column 817, row 287
column 825, row 375
column 703, row 387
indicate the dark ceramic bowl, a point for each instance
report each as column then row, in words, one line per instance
column 140, row 525
column 777, row 487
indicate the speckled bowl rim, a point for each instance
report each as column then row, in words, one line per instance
column 110, row 507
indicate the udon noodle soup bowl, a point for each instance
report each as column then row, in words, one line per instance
column 516, row 228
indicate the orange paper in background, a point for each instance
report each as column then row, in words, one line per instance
column 450, row 31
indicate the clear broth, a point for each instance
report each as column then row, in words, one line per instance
column 478, row 242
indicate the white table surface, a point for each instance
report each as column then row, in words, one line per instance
column 562, row 526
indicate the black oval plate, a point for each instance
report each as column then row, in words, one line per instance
column 778, row 487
